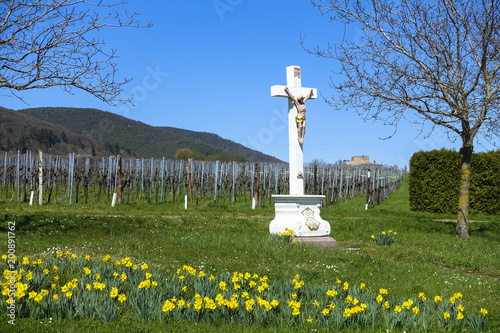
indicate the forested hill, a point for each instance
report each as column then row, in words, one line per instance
column 118, row 134
column 22, row 132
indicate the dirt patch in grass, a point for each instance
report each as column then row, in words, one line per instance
column 469, row 271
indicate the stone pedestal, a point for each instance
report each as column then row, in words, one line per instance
column 300, row 213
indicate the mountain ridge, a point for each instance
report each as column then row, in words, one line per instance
column 114, row 133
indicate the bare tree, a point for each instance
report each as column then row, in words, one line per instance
column 45, row 43
column 438, row 59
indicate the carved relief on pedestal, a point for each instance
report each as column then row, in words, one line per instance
column 311, row 222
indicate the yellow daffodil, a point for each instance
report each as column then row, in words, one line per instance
column 168, row 306
column 331, row 293
column 114, row 292
column 249, row 305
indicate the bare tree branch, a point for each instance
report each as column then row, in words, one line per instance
column 45, row 43
column 438, row 58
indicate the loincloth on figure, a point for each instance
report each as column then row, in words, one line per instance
column 300, row 119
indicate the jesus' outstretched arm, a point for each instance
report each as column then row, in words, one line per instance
column 291, row 96
column 308, row 95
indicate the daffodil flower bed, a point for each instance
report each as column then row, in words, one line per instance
column 69, row 286
column 384, row 237
column 285, row 236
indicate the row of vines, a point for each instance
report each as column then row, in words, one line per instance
column 86, row 180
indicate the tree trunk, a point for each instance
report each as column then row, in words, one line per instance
column 463, row 195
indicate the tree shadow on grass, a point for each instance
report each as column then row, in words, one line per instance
column 44, row 224
column 34, row 223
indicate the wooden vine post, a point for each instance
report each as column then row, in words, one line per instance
column 119, row 178
column 190, row 182
column 369, row 201
column 40, row 177
column 255, row 184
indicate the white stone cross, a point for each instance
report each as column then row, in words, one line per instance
column 296, row 154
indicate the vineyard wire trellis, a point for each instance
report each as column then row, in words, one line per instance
column 164, row 180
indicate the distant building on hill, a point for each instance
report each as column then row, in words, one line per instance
column 360, row 160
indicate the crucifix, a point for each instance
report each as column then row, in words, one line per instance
column 297, row 96
column 296, row 211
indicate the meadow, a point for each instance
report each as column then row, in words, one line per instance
column 427, row 258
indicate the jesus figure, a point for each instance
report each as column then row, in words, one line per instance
column 300, row 118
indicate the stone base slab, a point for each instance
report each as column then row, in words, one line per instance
column 318, row 241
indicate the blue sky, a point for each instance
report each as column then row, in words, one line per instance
column 209, row 65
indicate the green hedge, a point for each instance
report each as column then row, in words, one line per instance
column 435, row 182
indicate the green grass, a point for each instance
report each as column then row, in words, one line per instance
column 426, row 257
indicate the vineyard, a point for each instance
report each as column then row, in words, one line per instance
column 87, row 180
